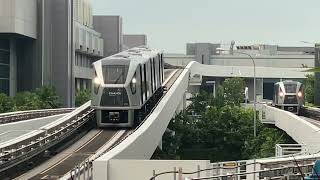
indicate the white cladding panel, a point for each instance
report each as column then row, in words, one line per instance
column 87, row 40
column 143, row 169
column 83, row 12
column 19, row 16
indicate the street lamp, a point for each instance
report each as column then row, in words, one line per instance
column 254, row 89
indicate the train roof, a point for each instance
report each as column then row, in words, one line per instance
column 288, row 82
column 139, row 54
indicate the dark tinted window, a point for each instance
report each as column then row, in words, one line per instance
column 4, row 57
column 4, row 86
column 290, row 88
column 4, row 44
column 115, row 74
column 4, row 71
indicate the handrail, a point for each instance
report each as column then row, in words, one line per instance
column 233, row 167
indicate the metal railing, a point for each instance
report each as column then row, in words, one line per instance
column 24, row 115
column 35, row 142
column 241, row 169
column 290, row 149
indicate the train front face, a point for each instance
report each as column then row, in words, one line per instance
column 289, row 95
column 112, row 92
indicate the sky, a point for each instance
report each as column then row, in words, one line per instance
column 170, row 24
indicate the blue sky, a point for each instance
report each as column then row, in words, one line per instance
column 170, row 24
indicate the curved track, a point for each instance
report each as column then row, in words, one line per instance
column 88, row 147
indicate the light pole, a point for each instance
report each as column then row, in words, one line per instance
column 254, row 90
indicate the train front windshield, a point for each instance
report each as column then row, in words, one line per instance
column 115, row 74
column 290, row 88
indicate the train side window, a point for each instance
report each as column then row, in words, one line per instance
column 162, row 66
column 151, row 68
column 159, row 63
column 141, row 84
column 154, row 74
column 145, row 81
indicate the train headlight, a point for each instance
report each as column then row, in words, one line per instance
column 299, row 94
column 133, row 84
column 281, row 94
column 96, row 85
column 134, row 80
column 97, row 80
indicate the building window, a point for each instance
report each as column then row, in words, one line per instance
column 4, row 44
column 4, row 57
column 4, row 86
column 4, row 71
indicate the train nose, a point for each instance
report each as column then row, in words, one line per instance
column 116, row 97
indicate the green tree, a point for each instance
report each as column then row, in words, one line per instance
column 223, row 131
column 82, row 96
column 309, row 88
column 6, row 103
column 232, row 91
column 48, row 98
column 27, row 101
column 200, row 102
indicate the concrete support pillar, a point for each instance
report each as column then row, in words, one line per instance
column 13, row 68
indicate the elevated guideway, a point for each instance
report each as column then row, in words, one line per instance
column 136, row 144
column 43, row 134
column 79, row 155
column 142, row 143
column 11, row 131
column 25, row 115
column 303, row 130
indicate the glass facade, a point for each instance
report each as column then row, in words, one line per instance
column 4, row 66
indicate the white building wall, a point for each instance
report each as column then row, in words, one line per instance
column 294, row 61
column 83, row 12
column 285, row 61
column 19, row 16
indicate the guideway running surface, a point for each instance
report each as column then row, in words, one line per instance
column 14, row 130
column 80, row 155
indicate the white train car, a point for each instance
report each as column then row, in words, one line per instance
column 126, row 86
column 289, row 95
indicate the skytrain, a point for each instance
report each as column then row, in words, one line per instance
column 289, row 95
column 126, row 86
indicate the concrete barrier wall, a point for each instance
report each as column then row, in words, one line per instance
column 142, row 143
column 143, row 169
column 302, row 131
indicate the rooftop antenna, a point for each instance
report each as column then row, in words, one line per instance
column 231, row 47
